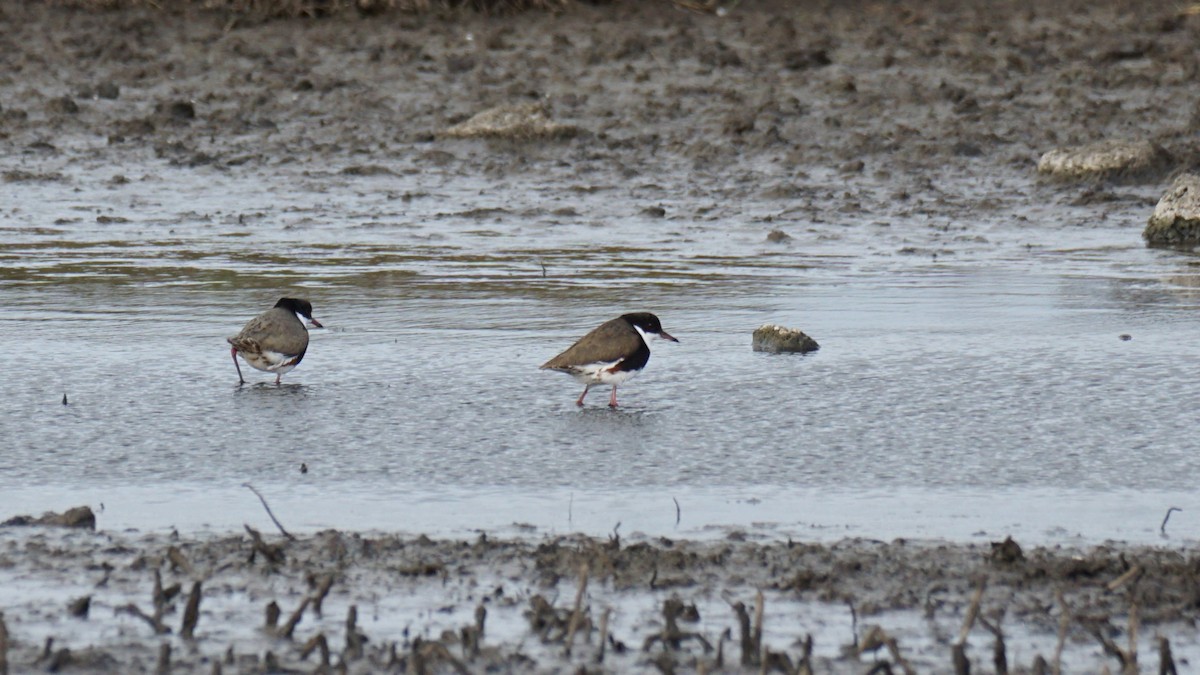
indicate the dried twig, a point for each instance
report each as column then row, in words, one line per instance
column 959, row 650
column 154, row 622
column 1132, row 574
column 269, row 513
column 290, row 626
column 164, row 659
column 1163, row 528
column 354, row 639
column 316, row 642
column 603, row 634
column 320, row 592
column 999, row 652
column 3, row 646
column 577, row 613
column 273, row 553
column 191, row 613
column 1064, row 622
column 179, row 561
column 1166, row 662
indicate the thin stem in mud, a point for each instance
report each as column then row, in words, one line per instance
column 164, row 659
column 316, row 643
column 1166, row 662
column 191, row 614
column 999, row 651
column 759, row 606
column 603, row 634
column 321, row 591
column 290, row 626
column 269, row 513
column 3, row 646
column 577, row 613
column 1162, row 528
column 959, row 650
column 1064, row 622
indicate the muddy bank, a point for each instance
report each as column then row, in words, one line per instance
column 746, row 103
column 367, row 602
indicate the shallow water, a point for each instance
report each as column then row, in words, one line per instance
column 970, row 382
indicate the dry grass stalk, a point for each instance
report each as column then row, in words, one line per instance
column 1064, row 623
column 1166, row 662
column 191, row 614
column 577, row 613
column 316, row 642
column 164, row 659
column 3, row 646
column 603, row 634
column 290, row 626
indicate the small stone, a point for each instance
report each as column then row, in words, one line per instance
column 79, row 607
column 63, row 104
column 108, row 90
column 1126, row 337
column 778, row 237
column 1111, row 159
column 654, row 211
column 775, row 339
column 182, row 111
column 1176, row 218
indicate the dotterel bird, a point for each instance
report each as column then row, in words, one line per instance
column 275, row 341
column 611, row 354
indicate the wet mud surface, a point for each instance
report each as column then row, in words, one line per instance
column 147, row 149
column 78, row 601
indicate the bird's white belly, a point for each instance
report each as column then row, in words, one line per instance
column 601, row 373
column 272, row 362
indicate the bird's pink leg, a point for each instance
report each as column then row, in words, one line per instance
column 612, row 400
column 233, row 353
column 579, row 401
column 277, row 376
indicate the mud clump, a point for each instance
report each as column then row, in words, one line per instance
column 1107, row 160
column 776, row 339
column 518, row 122
column 1176, row 218
column 80, row 517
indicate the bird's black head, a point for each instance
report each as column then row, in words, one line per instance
column 301, row 307
column 649, row 324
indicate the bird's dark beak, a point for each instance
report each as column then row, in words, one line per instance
column 315, row 323
column 667, row 336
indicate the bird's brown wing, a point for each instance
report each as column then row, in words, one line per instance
column 275, row 330
column 610, row 341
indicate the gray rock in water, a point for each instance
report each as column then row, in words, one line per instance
column 1176, row 218
column 776, row 339
column 1112, row 159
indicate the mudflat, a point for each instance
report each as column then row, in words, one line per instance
column 724, row 104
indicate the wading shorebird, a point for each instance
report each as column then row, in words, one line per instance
column 274, row 341
column 610, row 354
